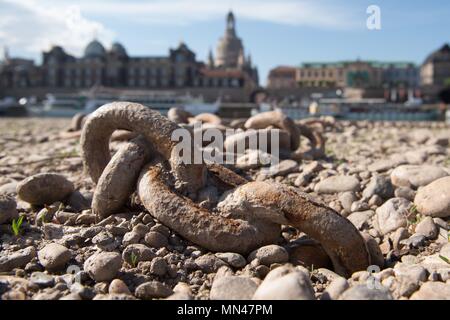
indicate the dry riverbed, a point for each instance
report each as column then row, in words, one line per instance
column 391, row 180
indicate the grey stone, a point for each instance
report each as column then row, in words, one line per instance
column 41, row 279
column 8, row 209
column 335, row 289
column 158, row 266
column 361, row 219
column 44, row 188
column 283, row 168
column 156, row 239
column 392, row 215
column 336, row 184
column 233, row 288
column 209, row 263
column 363, row 292
column 380, row 186
column 233, row 259
column 434, row 199
column 416, row 176
column 269, row 254
column 415, row 241
column 18, row 259
column 285, row 283
column 432, row 291
column 152, row 290
column 140, row 251
column 428, row 228
column 103, row 266
column 54, row 256
column 117, row 286
column 405, row 192
column 346, row 199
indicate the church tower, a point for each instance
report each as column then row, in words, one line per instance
column 229, row 48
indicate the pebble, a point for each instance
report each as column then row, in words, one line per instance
column 336, row 184
column 54, row 256
column 392, row 215
column 363, row 292
column 41, row 279
column 361, row 219
column 44, row 188
column 117, row 286
column 283, row 168
column 434, row 199
column 152, row 290
column 380, row 186
column 233, row 288
column 416, row 176
column 209, row 263
column 18, row 259
column 159, row 266
column 432, row 291
column 405, row 192
column 335, row 289
column 428, row 228
column 233, row 259
column 140, row 251
column 270, row 254
column 156, row 239
column 103, row 266
column 285, row 283
column 346, row 199
column 8, row 209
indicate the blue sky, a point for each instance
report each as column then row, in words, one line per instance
column 275, row 32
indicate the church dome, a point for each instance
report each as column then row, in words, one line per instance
column 230, row 45
column 119, row 50
column 94, row 50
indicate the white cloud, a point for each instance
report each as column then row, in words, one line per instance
column 318, row 13
column 34, row 26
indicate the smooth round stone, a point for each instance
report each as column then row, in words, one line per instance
column 233, row 288
column 434, row 199
column 42, row 279
column 336, row 184
column 54, row 256
column 117, row 286
column 44, row 188
column 428, row 228
column 432, row 291
column 363, row 292
column 392, row 215
column 103, row 266
column 285, row 283
column 153, row 290
column 416, row 176
column 233, row 259
column 269, row 254
column 8, row 209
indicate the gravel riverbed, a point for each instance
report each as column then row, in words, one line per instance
column 390, row 180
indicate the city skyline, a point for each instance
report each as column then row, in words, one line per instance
column 341, row 29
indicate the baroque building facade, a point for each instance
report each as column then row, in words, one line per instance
column 114, row 68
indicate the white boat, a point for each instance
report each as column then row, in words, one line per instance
column 9, row 106
column 67, row 105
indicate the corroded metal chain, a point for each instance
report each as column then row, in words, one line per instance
column 246, row 216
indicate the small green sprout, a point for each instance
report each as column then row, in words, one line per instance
column 16, row 224
column 134, row 259
column 447, row 260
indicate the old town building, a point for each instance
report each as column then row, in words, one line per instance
column 435, row 72
column 113, row 67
